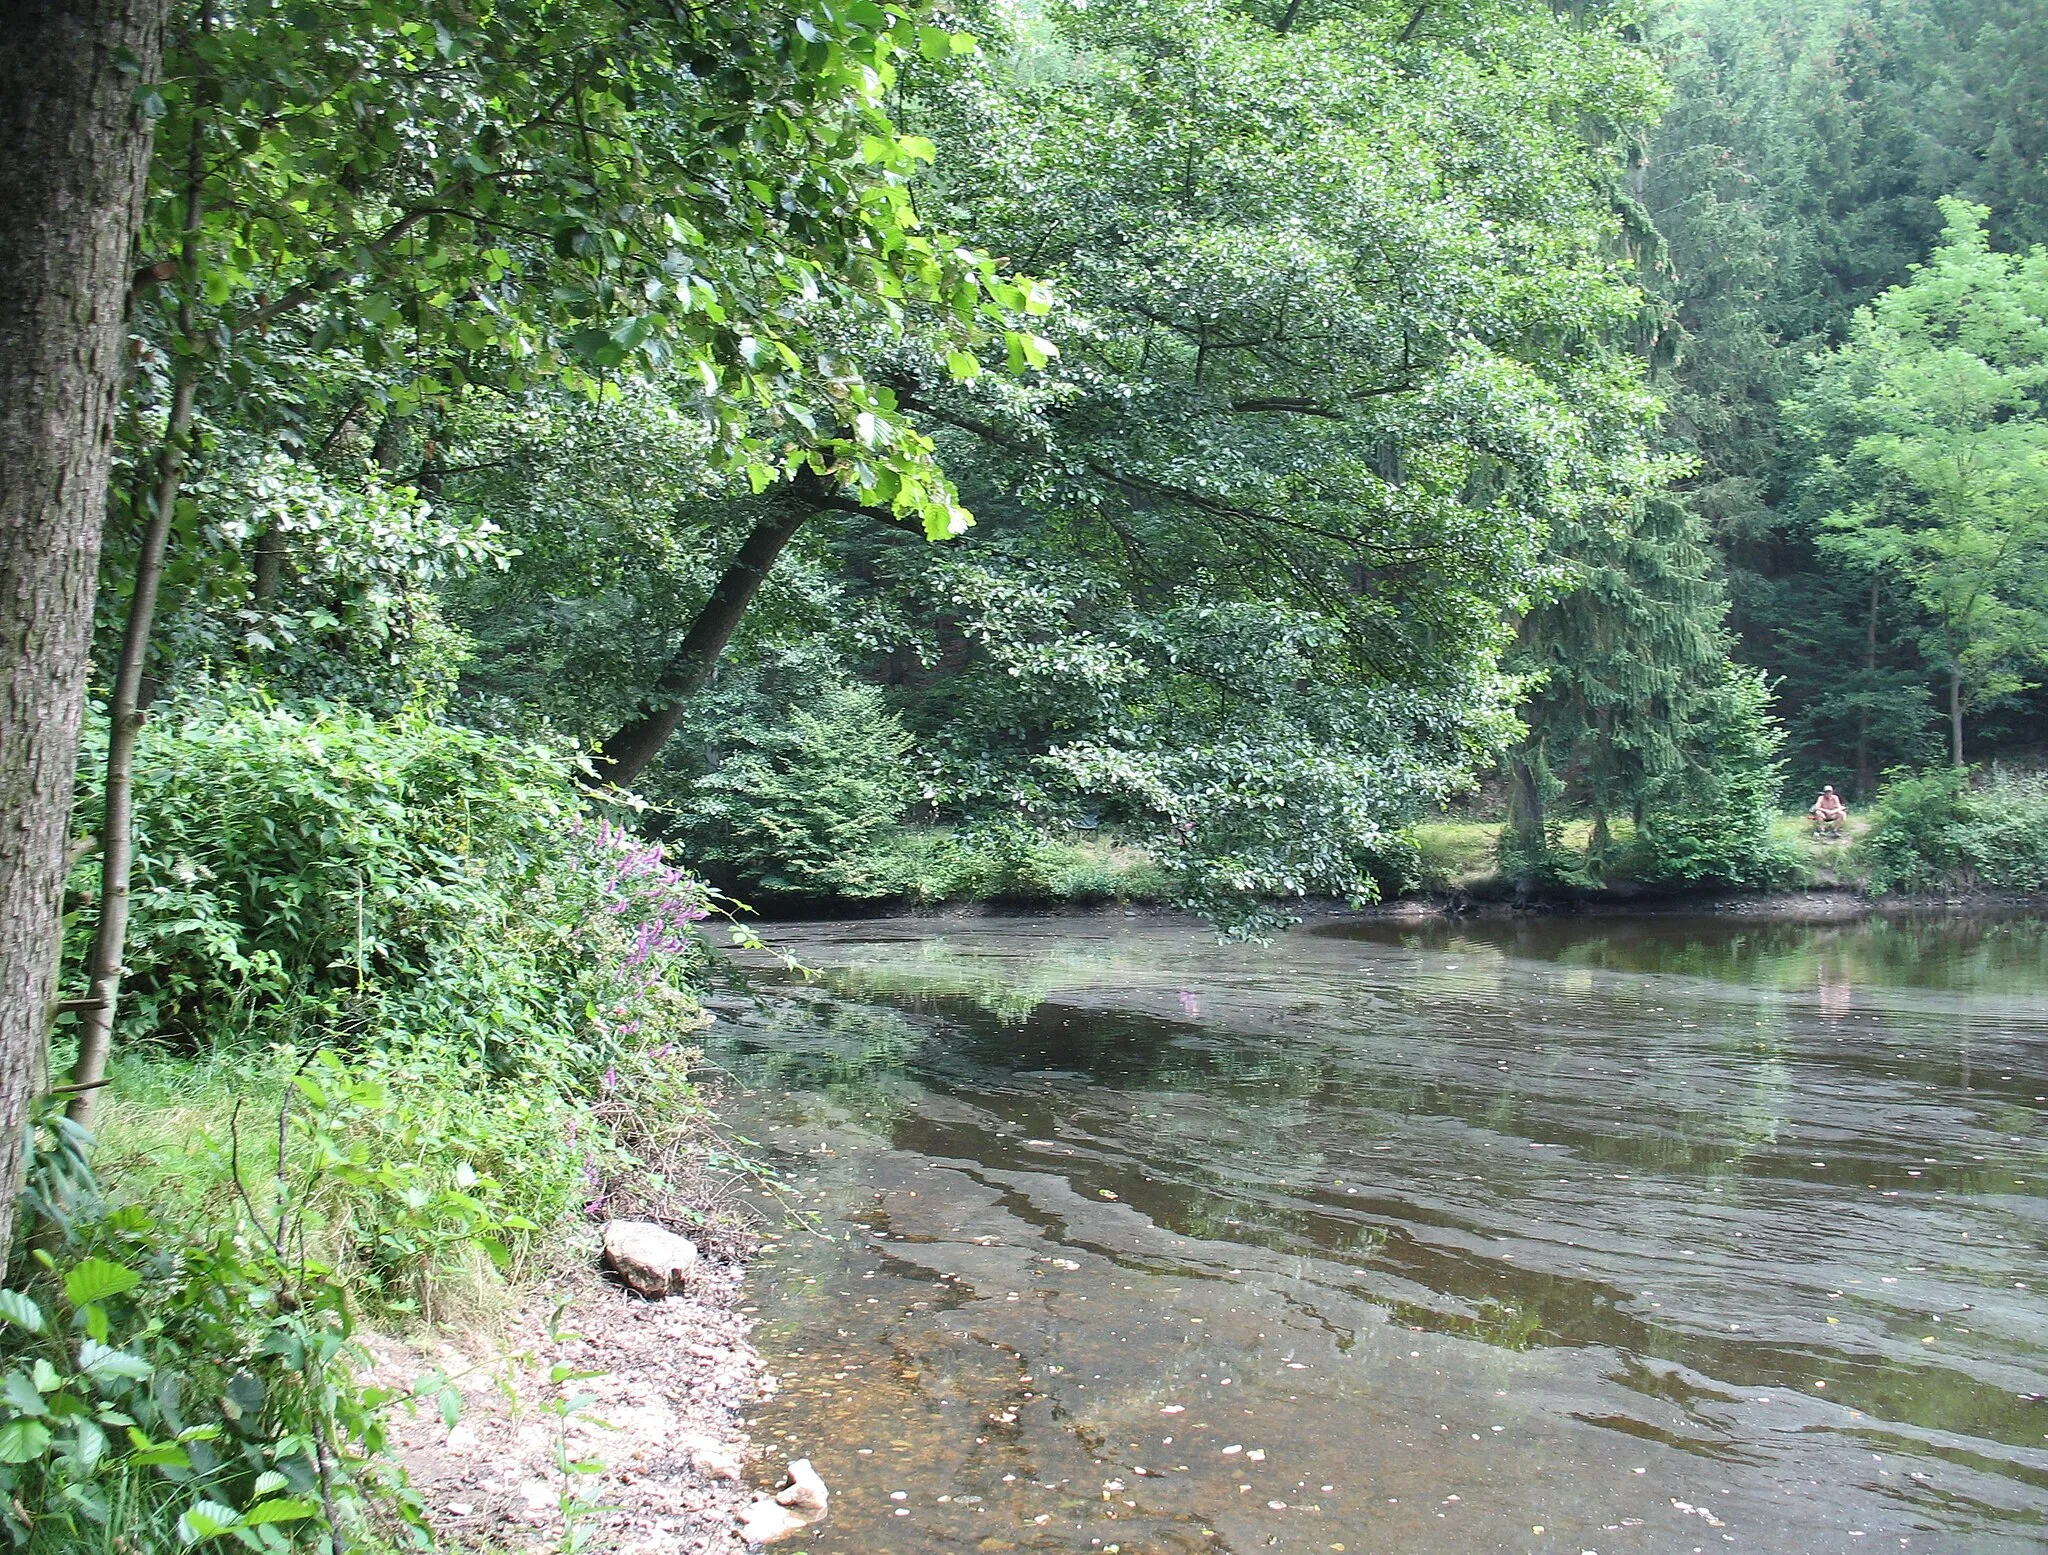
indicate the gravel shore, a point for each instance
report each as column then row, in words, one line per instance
column 663, row 1414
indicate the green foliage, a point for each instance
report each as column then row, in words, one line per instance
column 798, row 796
column 166, row 1390
column 447, row 197
column 1941, row 398
column 1342, row 338
column 1796, row 177
column 180, row 1369
column 1016, row 861
column 349, row 607
column 1713, row 822
column 1627, row 665
column 1937, row 831
column 328, row 877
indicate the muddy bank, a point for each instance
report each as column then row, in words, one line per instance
column 1811, row 906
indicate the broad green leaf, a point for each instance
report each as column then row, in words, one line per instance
column 23, row 1440
column 22, row 1395
column 21, row 1311
column 96, row 1279
column 102, row 1361
column 282, row 1510
column 207, row 1520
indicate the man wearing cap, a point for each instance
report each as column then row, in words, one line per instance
column 1828, row 812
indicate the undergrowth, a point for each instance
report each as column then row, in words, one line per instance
column 407, row 1008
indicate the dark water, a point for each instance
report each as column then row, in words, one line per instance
column 1568, row 1236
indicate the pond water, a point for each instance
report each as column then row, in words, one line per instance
column 1562, row 1235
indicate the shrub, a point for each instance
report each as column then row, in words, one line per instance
column 162, row 1387
column 803, row 804
column 1712, row 823
column 1016, row 861
column 1934, row 831
column 421, row 939
column 328, row 878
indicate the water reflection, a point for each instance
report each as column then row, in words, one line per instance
column 1706, row 1218
column 1983, row 953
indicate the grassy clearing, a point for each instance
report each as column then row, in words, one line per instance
column 1463, row 855
column 932, row 865
column 170, row 1129
column 1825, row 861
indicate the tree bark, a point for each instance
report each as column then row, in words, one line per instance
column 627, row 753
column 126, row 709
column 1864, row 783
column 268, row 571
column 1525, row 816
column 1955, row 714
column 71, row 189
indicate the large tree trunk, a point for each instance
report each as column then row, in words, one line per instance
column 71, row 191
column 1526, row 819
column 627, row 753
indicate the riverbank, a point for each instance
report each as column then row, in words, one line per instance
column 1452, row 864
column 1788, row 906
column 645, row 1401
column 531, row 1400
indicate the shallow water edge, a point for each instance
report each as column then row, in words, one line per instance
column 1558, row 1235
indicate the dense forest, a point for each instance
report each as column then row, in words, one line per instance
column 559, row 454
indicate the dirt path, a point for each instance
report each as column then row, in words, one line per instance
column 664, row 1416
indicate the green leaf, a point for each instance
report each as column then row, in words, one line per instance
column 102, row 1361
column 207, row 1520
column 22, row 1395
column 20, row 1311
column 23, row 1440
column 91, row 1445
column 284, row 1509
column 96, row 1279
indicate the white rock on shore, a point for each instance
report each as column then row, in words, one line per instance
column 805, row 1492
column 651, row 1259
column 793, row 1508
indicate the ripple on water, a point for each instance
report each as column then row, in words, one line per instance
column 1414, row 1240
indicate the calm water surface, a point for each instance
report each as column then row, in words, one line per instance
column 1572, row 1236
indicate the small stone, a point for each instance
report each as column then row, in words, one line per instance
column 764, row 1522
column 710, row 1457
column 805, row 1492
column 538, row 1495
column 651, row 1259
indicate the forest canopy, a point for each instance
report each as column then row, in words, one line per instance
column 1248, row 428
